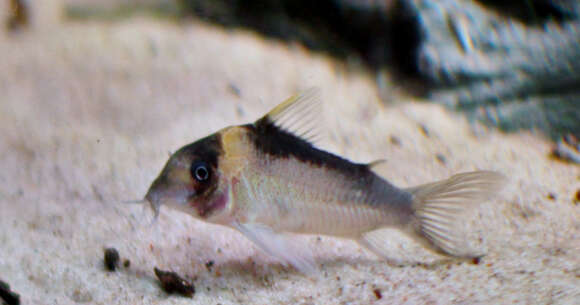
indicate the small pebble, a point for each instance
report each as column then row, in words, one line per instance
column 209, row 265
column 81, row 296
column 171, row 282
column 126, row 263
column 234, row 89
column 378, row 294
column 577, row 197
column 551, row 196
column 424, row 130
column 240, row 110
column 19, row 15
column 111, row 259
column 7, row 296
column 441, row 158
column 395, row 140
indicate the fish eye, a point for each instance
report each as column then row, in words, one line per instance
column 200, row 171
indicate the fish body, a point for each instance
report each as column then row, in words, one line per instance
column 305, row 193
column 265, row 180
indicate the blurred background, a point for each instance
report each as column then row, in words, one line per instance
column 94, row 94
column 509, row 64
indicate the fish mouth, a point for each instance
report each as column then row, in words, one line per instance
column 154, row 201
column 175, row 197
column 157, row 194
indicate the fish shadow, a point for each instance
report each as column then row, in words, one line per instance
column 263, row 273
column 254, row 274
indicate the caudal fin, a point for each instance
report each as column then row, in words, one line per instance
column 438, row 205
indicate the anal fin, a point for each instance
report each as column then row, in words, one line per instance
column 278, row 245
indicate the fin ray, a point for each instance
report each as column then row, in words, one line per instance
column 436, row 210
column 278, row 245
column 298, row 115
column 376, row 163
column 438, row 205
column 377, row 242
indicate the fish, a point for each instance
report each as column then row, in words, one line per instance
column 268, row 181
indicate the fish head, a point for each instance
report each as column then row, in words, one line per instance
column 190, row 180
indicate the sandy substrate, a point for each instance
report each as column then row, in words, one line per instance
column 89, row 112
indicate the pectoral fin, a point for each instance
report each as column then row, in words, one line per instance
column 278, row 245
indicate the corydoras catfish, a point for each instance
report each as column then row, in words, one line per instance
column 266, row 179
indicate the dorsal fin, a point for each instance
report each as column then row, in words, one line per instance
column 298, row 115
column 287, row 131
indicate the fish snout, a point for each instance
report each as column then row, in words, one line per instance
column 153, row 196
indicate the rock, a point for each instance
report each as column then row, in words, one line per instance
column 506, row 69
column 511, row 64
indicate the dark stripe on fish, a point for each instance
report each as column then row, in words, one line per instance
column 271, row 140
column 207, row 149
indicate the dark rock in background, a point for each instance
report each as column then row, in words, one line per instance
column 511, row 64
column 341, row 28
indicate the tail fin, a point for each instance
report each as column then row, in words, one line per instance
column 437, row 205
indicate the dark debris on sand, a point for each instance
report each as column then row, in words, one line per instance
column 171, row 283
